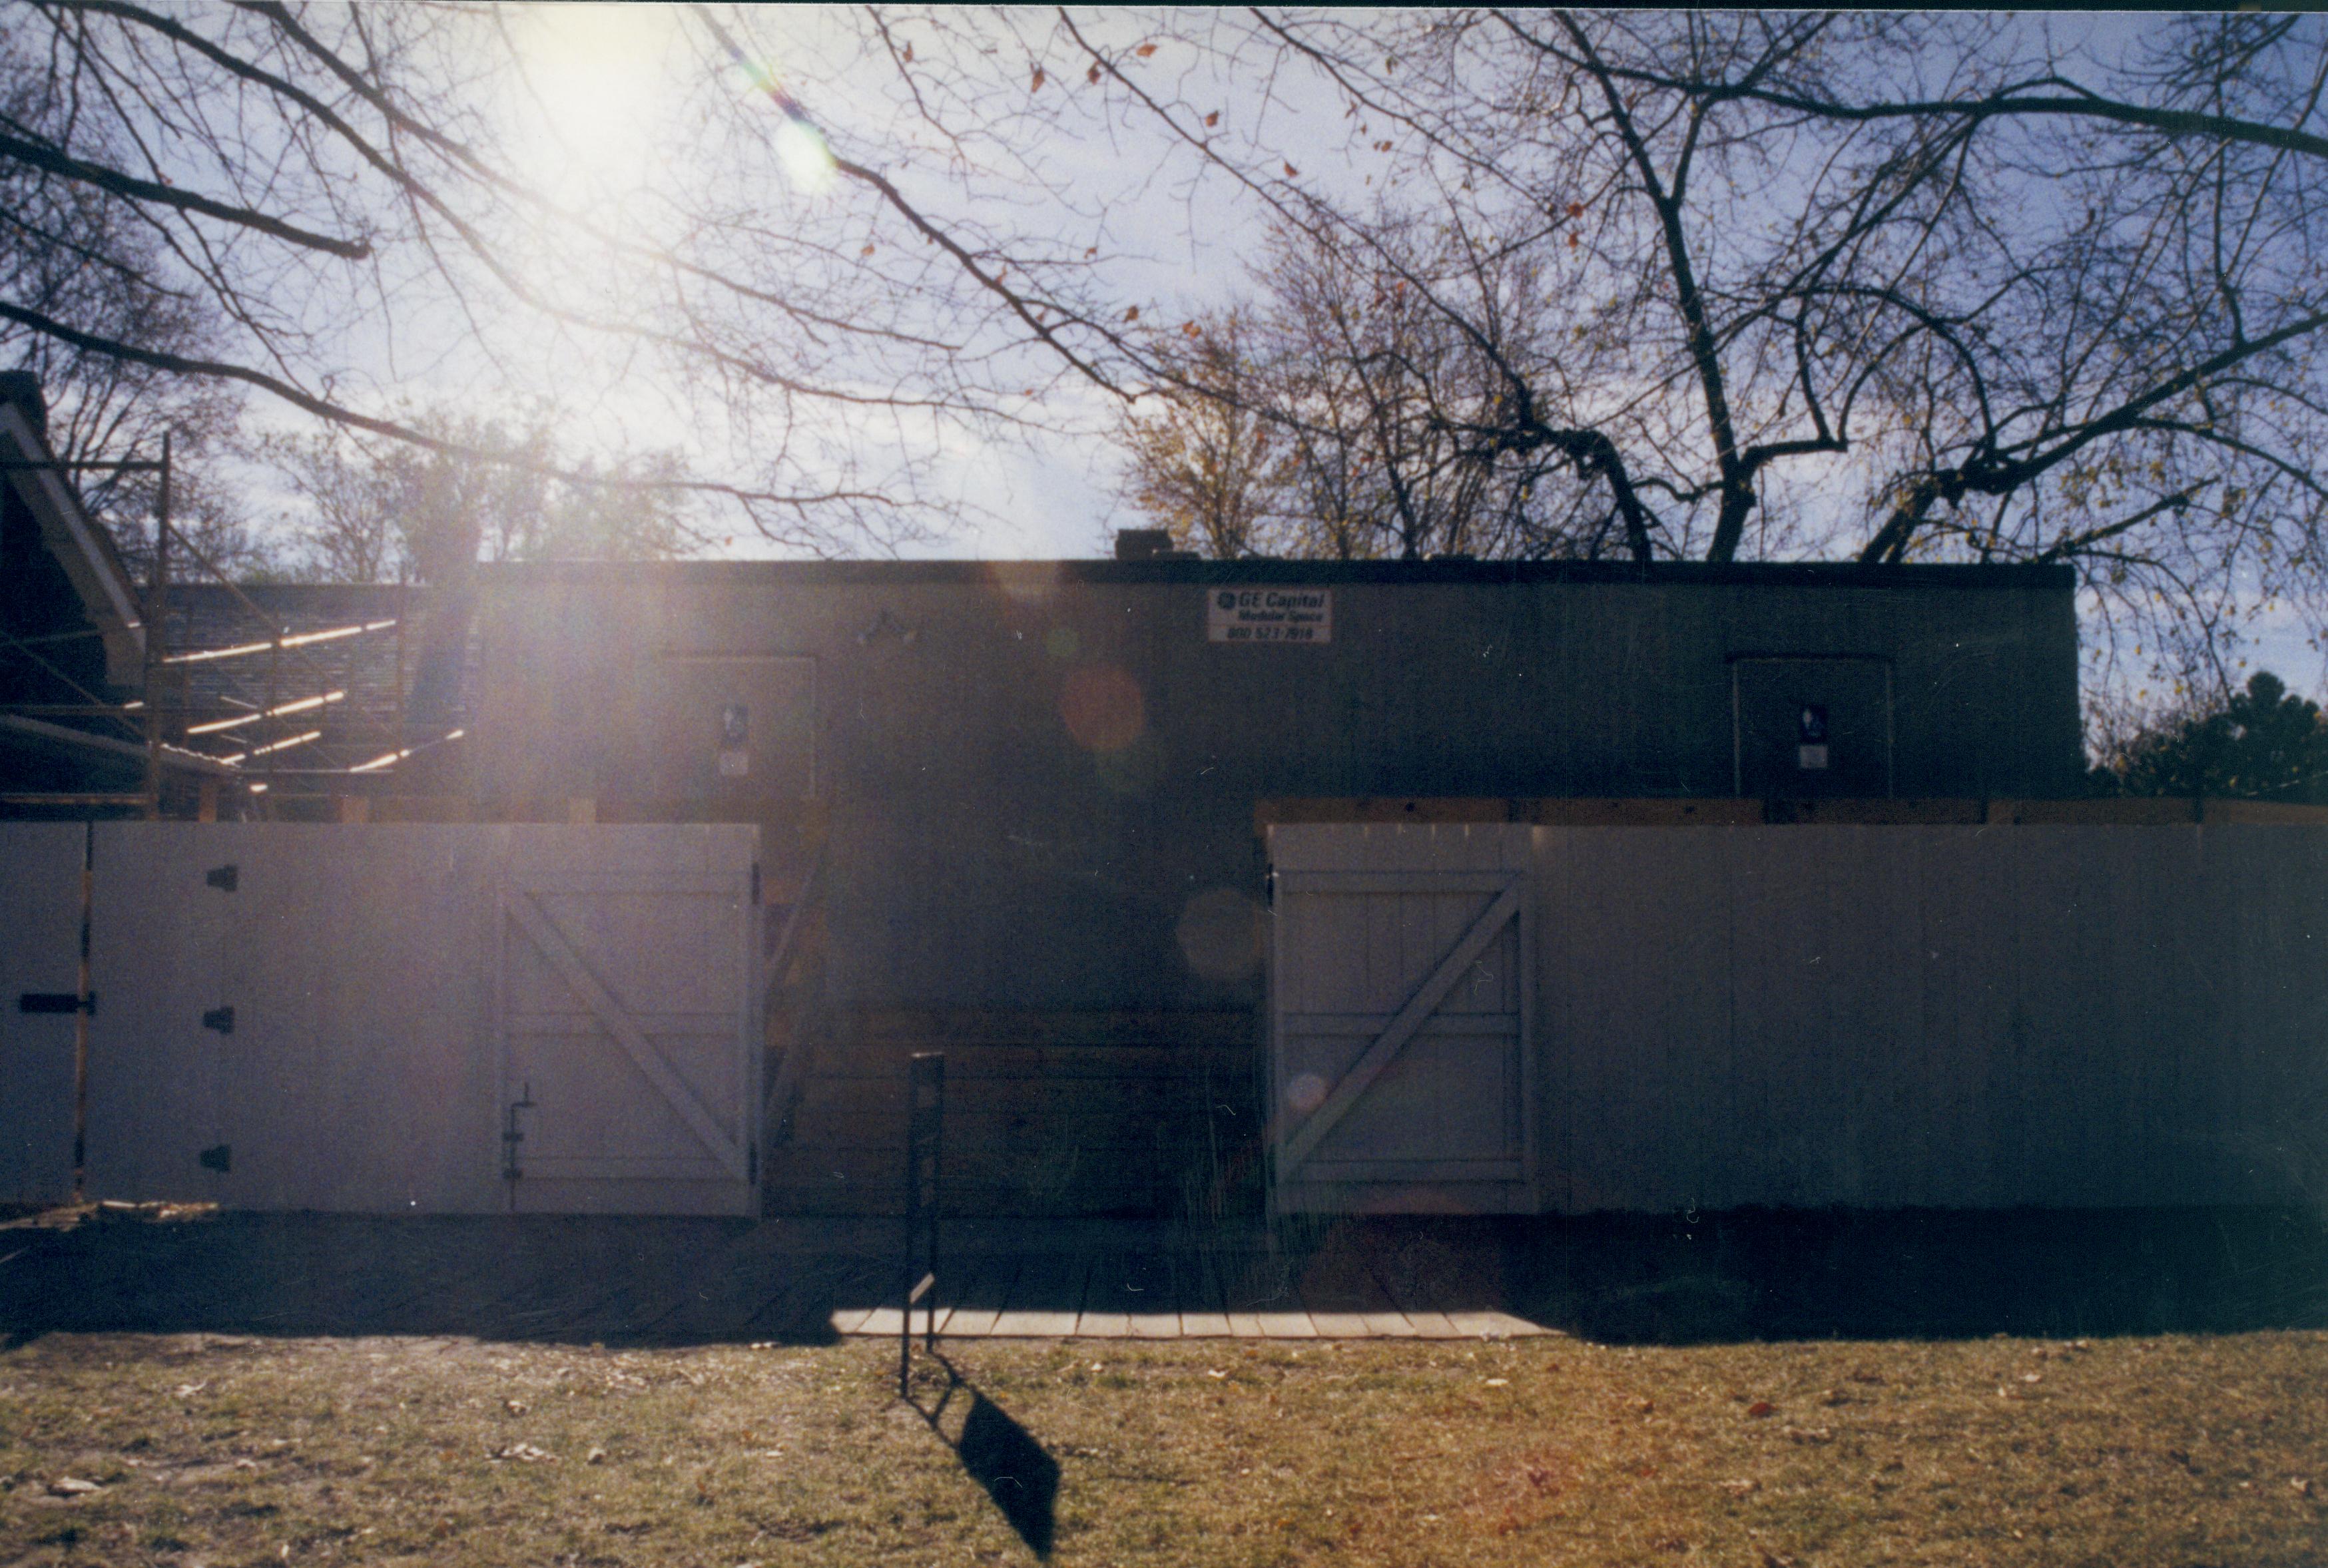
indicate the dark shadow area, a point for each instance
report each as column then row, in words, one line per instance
column 1920, row 1274
column 1003, row 1458
column 542, row 1278
column 1623, row 1279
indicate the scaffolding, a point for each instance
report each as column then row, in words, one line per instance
column 236, row 715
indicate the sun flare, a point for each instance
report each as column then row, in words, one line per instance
column 597, row 86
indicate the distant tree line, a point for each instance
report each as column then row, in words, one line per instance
column 2261, row 743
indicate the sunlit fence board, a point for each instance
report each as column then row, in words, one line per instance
column 378, row 1037
column 1903, row 1017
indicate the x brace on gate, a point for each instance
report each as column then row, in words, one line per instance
column 611, row 1014
column 1402, row 1028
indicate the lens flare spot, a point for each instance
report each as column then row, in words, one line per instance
column 1102, row 708
column 800, row 149
column 1027, row 582
column 1062, row 643
column 1220, row 934
column 1305, row 1093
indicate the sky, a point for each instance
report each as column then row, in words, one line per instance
column 610, row 83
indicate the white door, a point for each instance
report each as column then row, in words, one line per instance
column 1401, row 1075
column 630, row 1054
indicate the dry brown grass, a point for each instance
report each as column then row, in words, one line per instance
column 2173, row 1450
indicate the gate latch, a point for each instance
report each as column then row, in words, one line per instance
column 56, row 1001
column 511, row 1136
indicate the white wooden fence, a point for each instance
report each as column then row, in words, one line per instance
column 1879, row 1017
column 416, row 1018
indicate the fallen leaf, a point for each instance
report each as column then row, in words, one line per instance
column 2301, row 1485
column 514, row 1407
column 596, row 1456
column 866, row 251
column 72, row 1487
column 1092, row 75
column 1144, row 51
column 1038, row 80
column 1500, row 1383
column 1131, row 315
column 1210, row 1373
column 1213, row 118
column 1090, row 251
column 1761, row 1407
column 1740, row 1489
column 524, row 1454
column 909, row 54
column 188, row 1390
column 1291, row 173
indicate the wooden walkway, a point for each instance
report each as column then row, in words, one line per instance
column 1203, row 1292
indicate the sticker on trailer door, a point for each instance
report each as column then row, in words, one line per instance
column 1269, row 614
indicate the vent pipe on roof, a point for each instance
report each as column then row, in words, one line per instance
column 1149, row 544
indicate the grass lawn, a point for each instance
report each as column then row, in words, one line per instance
column 198, row 1449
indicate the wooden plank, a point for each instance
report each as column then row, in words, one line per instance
column 552, row 945
column 1258, row 1290
column 1117, row 1287
column 1639, row 813
column 1288, row 811
column 844, row 1058
column 972, row 1312
column 1492, row 1324
column 947, row 1028
column 1202, row 1315
column 1408, row 1293
column 1155, row 1315
column 1045, row 1298
column 1379, row 1054
column 1358, row 884
column 1343, row 1299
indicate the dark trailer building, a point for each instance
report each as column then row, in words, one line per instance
column 1015, row 804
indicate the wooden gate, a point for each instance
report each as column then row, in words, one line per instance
column 1401, row 1076
column 629, row 1055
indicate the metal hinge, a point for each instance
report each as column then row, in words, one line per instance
column 220, row 1019
column 218, row 1157
column 223, row 878
column 56, row 1001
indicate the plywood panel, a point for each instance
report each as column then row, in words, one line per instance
column 1935, row 1016
column 1639, row 935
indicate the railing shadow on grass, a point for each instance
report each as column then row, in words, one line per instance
column 1000, row 1455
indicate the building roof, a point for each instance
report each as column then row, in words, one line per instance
column 2059, row 577
column 78, row 545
